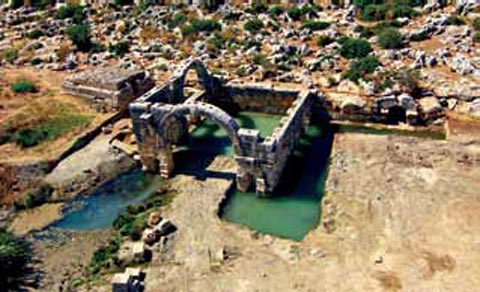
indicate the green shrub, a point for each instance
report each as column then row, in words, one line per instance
column 10, row 55
column 123, row 2
column 315, row 25
column 258, row 8
column 476, row 23
column 80, row 36
column 275, row 10
column 296, row 13
column 206, row 25
column 15, row 255
column 418, row 37
column 361, row 67
column 253, row 25
column 355, row 48
column 36, row 61
column 455, row 20
column 403, row 11
column 177, row 20
column 476, row 37
column 323, row 41
column 23, row 87
column 119, row 49
column 104, row 257
column 75, row 12
column 390, row 38
column 188, row 30
column 35, row 34
column 374, row 12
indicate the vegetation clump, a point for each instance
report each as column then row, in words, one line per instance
column 253, row 25
column 390, row 38
column 315, row 25
column 14, row 258
column 355, row 48
column 80, row 36
column 23, row 86
column 323, row 41
column 200, row 25
column 361, row 67
column 75, row 12
column 104, row 257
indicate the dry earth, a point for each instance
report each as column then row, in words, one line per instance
column 36, row 219
column 400, row 214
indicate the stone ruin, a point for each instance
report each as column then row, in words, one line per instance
column 162, row 116
column 109, row 89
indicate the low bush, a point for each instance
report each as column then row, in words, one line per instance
column 455, row 20
column 80, row 36
column 35, row 34
column 258, row 8
column 206, row 25
column 275, row 10
column 177, row 19
column 119, row 49
column 253, row 25
column 10, row 55
column 361, row 67
column 315, row 25
column 418, row 37
column 104, row 257
column 390, row 38
column 355, row 48
column 323, row 41
column 23, row 86
column 476, row 23
column 297, row 13
column 15, row 255
column 37, row 197
column 476, row 37
column 75, row 12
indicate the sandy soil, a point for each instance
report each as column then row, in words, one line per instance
column 36, row 219
column 399, row 214
column 62, row 257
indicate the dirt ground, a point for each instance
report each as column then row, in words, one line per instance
column 399, row 214
column 48, row 101
column 36, row 219
column 62, row 256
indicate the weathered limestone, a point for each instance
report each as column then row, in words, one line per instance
column 109, row 88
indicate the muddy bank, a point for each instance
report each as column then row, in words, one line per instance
column 36, row 219
column 63, row 256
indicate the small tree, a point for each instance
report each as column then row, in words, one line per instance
column 253, row 25
column 23, row 86
column 323, row 41
column 355, row 48
column 390, row 38
column 361, row 67
column 80, row 36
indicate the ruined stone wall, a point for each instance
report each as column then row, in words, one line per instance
column 265, row 160
column 261, row 98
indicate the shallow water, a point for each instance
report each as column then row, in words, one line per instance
column 99, row 209
column 295, row 210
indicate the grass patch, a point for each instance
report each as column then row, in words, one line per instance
column 23, row 86
column 41, row 122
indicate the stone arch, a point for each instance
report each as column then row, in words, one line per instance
column 178, row 81
column 178, row 112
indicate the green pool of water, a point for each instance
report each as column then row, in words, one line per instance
column 295, row 209
column 210, row 138
column 99, row 209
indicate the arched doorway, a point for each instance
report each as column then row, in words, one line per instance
column 169, row 129
column 178, row 81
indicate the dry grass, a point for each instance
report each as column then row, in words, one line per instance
column 389, row 280
column 437, row 263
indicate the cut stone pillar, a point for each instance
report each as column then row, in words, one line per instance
column 165, row 163
column 244, row 180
